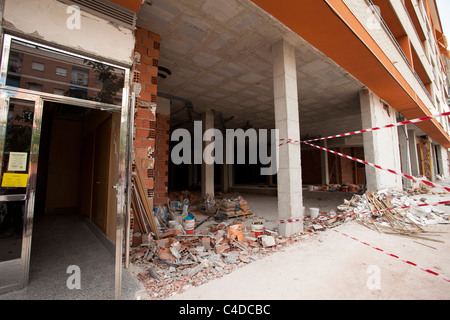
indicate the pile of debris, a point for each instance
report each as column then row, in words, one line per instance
column 179, row 261
column 389, row 211
column 223, row 235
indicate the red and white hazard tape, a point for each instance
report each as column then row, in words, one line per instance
column 398, row 124
column 428, row 183
column 393, row 255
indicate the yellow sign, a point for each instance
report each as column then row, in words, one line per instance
column 15, row 180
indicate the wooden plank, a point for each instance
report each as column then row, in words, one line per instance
column 139, row 182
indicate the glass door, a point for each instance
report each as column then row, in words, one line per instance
column 20, row 125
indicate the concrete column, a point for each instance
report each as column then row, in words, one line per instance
column 380, row 147
column 442, row 159
column 207, row 169
column 414, row 156
column 324, row 164
column 403, row 139
column 230, row 175
column 224, row 186
column 290, row 197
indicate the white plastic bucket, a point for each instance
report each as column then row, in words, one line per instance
column 313, row 213
column 188, row 225
column 257, row 228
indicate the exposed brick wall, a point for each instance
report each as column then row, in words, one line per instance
column 145, row 81
column 162, row 158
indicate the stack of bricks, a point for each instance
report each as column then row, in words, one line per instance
column 145, row 81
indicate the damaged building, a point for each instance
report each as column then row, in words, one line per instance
column 93, row 91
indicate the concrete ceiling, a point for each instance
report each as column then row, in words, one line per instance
column 219, row 54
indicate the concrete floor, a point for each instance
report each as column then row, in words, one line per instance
column 62, row 240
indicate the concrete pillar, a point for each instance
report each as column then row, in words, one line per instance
column 403, row 139
column 230, row 175
column 207, row 169
column 224, row 186
column 380, row 147
column 442, row 159
column 324, row 164
column 414, row 156
column 290, row 197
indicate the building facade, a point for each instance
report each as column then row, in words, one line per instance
column 94, row 90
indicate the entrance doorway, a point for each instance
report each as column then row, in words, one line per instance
column 78, row 163
column 81, row 164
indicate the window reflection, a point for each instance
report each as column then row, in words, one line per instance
column 15, row 176
column 40, row 69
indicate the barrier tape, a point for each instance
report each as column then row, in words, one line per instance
column 428, row 183
column 392, row 255
column 398, row 124
column 366, row 212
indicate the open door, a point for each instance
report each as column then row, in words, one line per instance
column 20, row 125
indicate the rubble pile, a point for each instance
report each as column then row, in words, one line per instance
column 402, row 213
column 179, row 261
column 226, row 236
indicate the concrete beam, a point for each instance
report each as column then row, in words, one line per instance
column 290, row 197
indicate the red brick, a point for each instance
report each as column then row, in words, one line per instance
column 141, row 123
column 148, row 183
column 143, row 32
column 145, row 96
column 148, row 42
column 141, row 153
column 142, row 113
column 141, row 133
column 142, row 50
column 154, row 36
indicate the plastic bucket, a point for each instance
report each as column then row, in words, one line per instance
column 257, row 228
column 313, row 213
column 188, row 226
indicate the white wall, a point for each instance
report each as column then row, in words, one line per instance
column 47, row 20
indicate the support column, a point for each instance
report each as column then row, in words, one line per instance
column 442, row 159
column 207, row 169
column 290, row 197
column 324, row 164
column 380, row 147
column 405, row 157
column 414, row 156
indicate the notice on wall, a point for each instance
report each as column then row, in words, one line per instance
column 15, row 180
column 17, row 161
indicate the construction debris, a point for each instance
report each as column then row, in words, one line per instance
column 179, row 261
column 400, row 213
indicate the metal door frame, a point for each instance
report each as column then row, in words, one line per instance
column 126, row 110
column 23, row 262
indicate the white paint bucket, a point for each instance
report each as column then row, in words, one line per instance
column 257, row 228
column 313, row 213
column 188, row 226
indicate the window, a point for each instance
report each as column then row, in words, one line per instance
column 37, row 66
column 61, row 71
column 80, row 76
column 59, row 92
column 35, row 87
